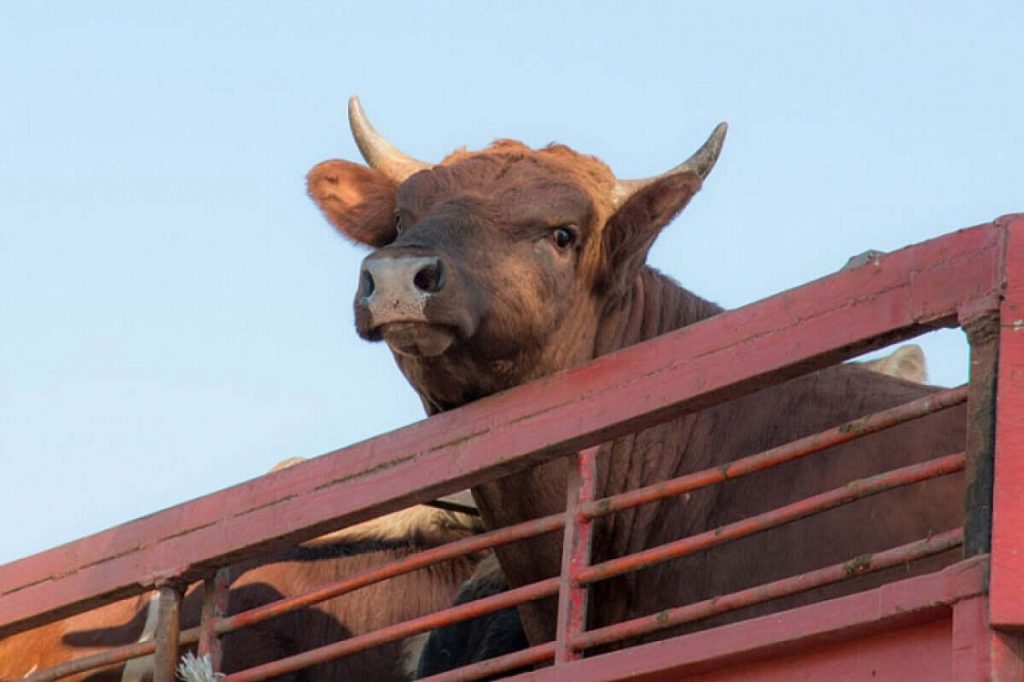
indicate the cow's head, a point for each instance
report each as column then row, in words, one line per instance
column 495, row 267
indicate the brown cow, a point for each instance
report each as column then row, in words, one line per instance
column 286, row 573
column 497, row 267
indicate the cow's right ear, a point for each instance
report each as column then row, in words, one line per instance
column 632, row 229
column 357, row 200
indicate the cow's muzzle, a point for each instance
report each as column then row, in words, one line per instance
column 402, row 298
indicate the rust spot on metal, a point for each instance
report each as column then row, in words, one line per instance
column 863, row 425
column 857, row 565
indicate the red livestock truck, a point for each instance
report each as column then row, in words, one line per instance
column 963, row 622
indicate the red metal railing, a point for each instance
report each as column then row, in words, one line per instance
column 580, row 574
column 955, row 279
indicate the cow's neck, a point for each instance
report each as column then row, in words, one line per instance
column 655, row 305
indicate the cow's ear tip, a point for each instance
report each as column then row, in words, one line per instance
column 357, row 200
column 639, row 219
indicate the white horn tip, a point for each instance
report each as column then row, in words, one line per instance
column 356, row 116
column 376, row 150
column 719, row 133
column 354, row 107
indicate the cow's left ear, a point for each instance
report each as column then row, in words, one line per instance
column 632, row 229
column 357, row 200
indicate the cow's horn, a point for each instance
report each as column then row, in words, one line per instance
column 378, row 152
column 701, row 163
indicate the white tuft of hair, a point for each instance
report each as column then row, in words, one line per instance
column 193, row 669
column 906, row 362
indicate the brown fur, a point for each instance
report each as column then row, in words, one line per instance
column 42, row 647
column 356, row 613
column 346, row 192
column 488, row 216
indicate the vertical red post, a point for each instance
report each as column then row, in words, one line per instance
column 215, row 602
column 981, row 654
column 1007, row 584
column 168, row 629
column 572, row 597
column 982, row 327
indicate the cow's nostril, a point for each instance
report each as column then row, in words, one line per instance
column 367, row 286
column 430, row 278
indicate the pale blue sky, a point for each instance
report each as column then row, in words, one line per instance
column 175, row 315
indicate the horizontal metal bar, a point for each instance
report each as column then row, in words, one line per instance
column 804, row 630
column 109, row 657
column 519, row 595
column 452, row 550
column 778, row 455
column 903, row 294
column 94, row 661
column 225, row 624
column 498, row 664
column 506, row 535
column 854, row 490
column 446, row 552
column 781, row 588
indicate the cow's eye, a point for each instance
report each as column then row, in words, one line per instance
column 563, row 237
